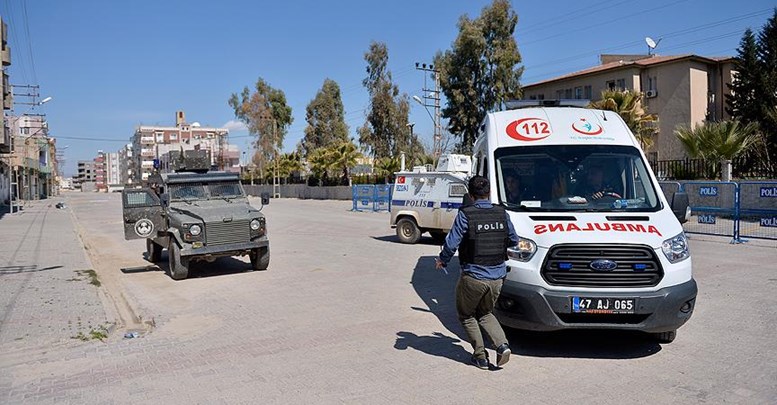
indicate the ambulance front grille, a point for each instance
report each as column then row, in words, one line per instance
column 571, row 265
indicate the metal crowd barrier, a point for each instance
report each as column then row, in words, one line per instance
column 758, row 209
column 372, row 197
column 741, row 210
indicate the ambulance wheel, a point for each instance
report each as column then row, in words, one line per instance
column 407, row 231
column 179, row 268
column 665, row 337
column 438, row 236
column 153, row 251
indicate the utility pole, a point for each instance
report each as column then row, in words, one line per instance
column 432, row 99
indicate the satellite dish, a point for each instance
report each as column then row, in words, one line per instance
column 651, row 44
column 195, row 124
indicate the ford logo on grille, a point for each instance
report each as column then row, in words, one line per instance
column 603, row 265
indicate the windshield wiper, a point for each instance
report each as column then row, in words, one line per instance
column 521, row 207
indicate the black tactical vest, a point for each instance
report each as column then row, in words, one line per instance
column 486, row 240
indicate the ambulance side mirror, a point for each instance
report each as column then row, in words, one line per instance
column 680, row 206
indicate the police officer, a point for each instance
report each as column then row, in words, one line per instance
column 481, row 232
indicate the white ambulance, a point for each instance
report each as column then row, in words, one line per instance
column 428, row 201
column 601, row 247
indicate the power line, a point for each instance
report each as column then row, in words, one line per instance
column 29, row 43
column 666, row 35
column 614, row 20
column 575, row 15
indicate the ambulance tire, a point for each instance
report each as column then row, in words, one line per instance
column 407, row 231
column 665, row 337
column 438, row 236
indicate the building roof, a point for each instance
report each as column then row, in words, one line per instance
column 639, row 63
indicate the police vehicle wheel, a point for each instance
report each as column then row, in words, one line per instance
column 179, row 270
column 665, row 337
column 407, row 231
column 153, row 251
column 260, row 258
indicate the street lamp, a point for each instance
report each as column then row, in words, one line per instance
column 418, row 99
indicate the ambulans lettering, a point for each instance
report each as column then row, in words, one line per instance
column 528, row 129
column 595, row 226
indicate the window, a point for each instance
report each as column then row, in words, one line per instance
column 568, row 93
column 652, row 83
column 541, row 97
column 225, row 189
column 611, row 85
column 621, row 84
column 578, row 93
column 559, row 94
column 566, row 178
column 532, row 97
column 173, row 136
column 587, row 93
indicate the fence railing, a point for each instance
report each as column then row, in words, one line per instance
column 696, row 169
column 738, row 209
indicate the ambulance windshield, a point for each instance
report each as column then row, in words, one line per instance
column 575, row 178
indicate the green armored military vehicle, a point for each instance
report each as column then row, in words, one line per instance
column 197, row 215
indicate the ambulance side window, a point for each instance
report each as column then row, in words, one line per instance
column 485, row 168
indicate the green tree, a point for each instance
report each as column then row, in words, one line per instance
column 480, row 72
column 743, row 102
column 343, row 158
column 265, row 113
column 386, row 167
column 288, row 164
column 325, row 117
column 719, row 141
column 385, row 131
column 628, row 104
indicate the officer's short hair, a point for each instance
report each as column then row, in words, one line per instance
column 479, row 186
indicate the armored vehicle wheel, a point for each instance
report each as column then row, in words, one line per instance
column 407, row 231
column 438, row 236
column 665, row 337
column 153, row 251
column 260, row 258
column 179, row 269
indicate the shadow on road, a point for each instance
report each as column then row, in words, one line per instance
column 425, row 240
column 586, row 344
column 436, row 345
column 437, row 290
column 220, row 267
column 25, row 269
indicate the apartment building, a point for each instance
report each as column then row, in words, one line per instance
column 126, row 165
column 112, row 168
column 100, row 172
column 85, row 174
column 150, row 143
column 680, row 89
column 32, row 159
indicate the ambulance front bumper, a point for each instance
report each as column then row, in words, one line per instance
column 529, row 307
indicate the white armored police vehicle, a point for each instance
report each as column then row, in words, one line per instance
column 428, row 201
column 196, row 215
column 600, row 245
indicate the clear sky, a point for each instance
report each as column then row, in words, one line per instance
column 112, row 65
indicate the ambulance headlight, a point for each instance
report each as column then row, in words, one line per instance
column 676, row 248
column 523, row 251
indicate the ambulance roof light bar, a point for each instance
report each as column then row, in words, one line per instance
column 516, row 104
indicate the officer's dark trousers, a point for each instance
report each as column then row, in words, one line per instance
column 475, row 301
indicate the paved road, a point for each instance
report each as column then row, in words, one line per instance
column 345, row 314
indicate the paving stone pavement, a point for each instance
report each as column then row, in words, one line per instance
column 46, row 295
column 347, row 315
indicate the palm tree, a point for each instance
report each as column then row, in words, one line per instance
column 719, row 141
column 387, row 166
column 628, row 104
column 288, row 164
column 343, row 157
column 320, row 163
